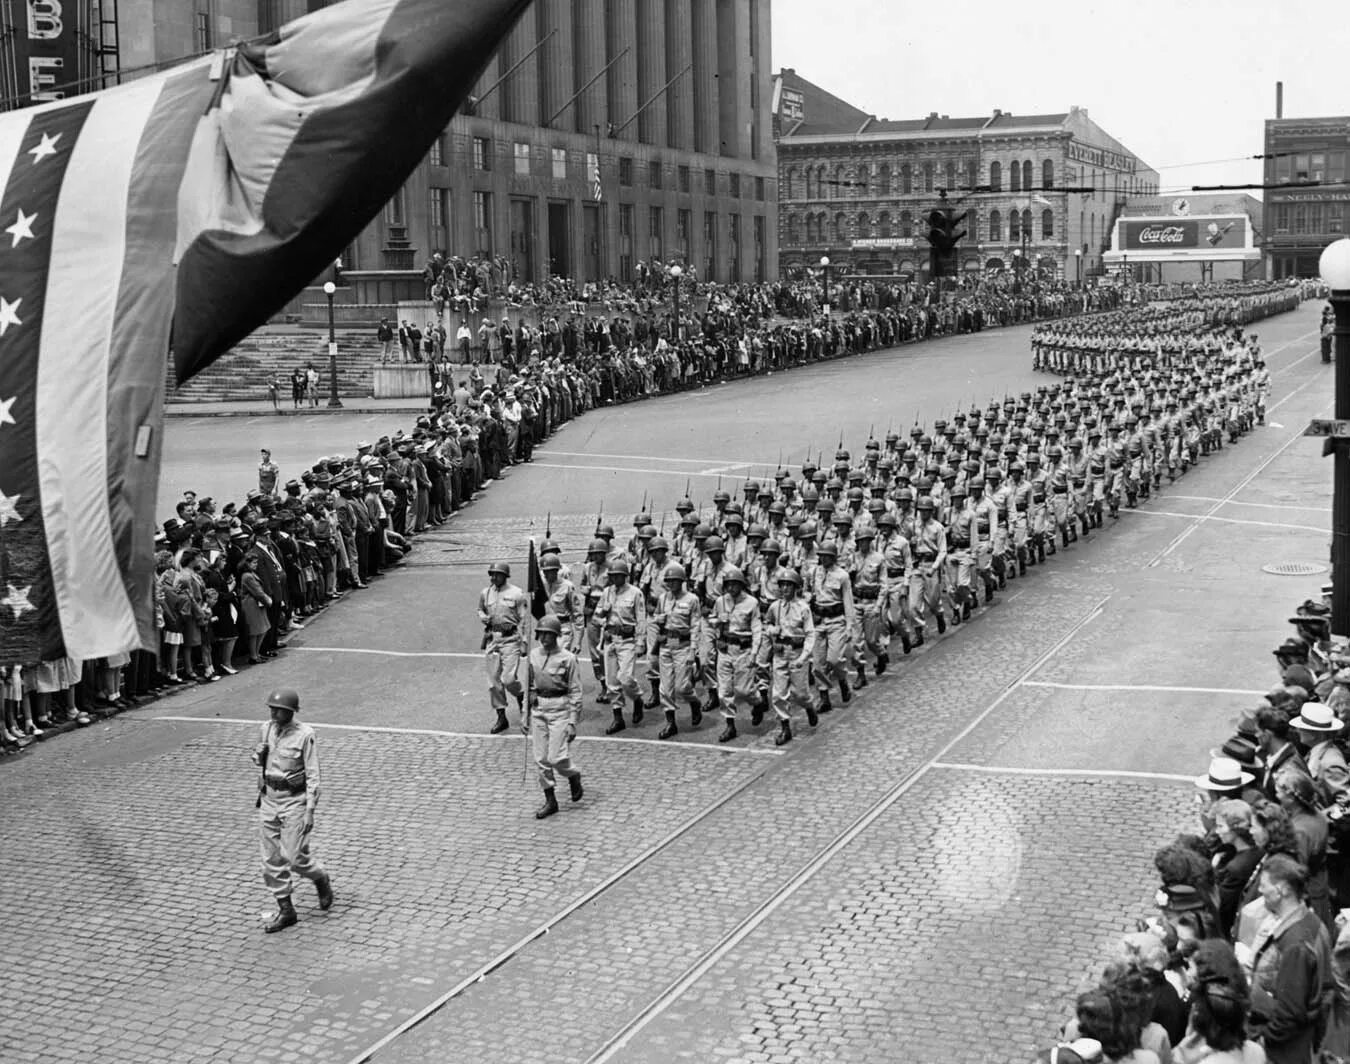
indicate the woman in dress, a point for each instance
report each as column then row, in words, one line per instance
column 224, row 611
column 255, row 602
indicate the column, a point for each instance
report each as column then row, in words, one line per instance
column 556, row 60
column 492, row 106
column 732, row 57
column 588, row 49
column 706, row 87
column 521, row 89
column 679, row 54
column 651, row 68
column 621, row 33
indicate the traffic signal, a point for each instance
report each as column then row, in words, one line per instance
column 943, row 238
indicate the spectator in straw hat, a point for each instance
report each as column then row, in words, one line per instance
column 1318, row 728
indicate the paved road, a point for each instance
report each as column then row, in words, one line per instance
column 929, row 876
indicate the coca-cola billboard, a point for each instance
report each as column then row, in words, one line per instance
column 1184, row 233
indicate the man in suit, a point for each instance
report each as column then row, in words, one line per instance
column 1277, row 748
column 273, row 578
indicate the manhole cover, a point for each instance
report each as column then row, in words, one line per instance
column 1294, row 569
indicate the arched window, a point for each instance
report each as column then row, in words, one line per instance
column 793, row 225
column 1048, row 173
column 972, row 174
column 861, row 181
column 1047, row 224
column 906, row 180
column 864, row 225
column 1014, row 178
column 1028, row 181
column 995, row 224
column 840, row 228
column 811, row 229
column 838, row 188
column 1014, row 225
column 928, row 177
column 951, row 175
column 884, row 225
column 906, row 225
column 996, row 177
column 791, row 181
column 822, row 189
column 884, row 180
column 1026, row 225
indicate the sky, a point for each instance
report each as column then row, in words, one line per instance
column 1185, row 85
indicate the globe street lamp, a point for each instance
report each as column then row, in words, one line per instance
column 1334, row 267
column 825, row 266
column 675, row 273
column 333, row 401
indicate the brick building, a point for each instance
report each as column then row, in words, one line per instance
column 1300, row 222
column 858, row 189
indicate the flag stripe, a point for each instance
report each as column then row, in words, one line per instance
column 34, row 185
column 140, row 335
column 88, row 246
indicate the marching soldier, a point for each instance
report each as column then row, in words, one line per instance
column 650, row 573
column 895, row 549
column 791, row 634
column 961, row 557
column 622, row 618
column 677, row 622
column 736, row 626
column 832, row 609
column 555, row 708
column 288, row 794
column 869, row 594
column 930, row 558
column 563, row 602
column 594, row 581
column 501, row 611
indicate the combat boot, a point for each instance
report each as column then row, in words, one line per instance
column 845, row 695
column 637, row 709
column 757, row 714
column 784, row 733
column 967, row 608
column 695, row 712
column 728, row 733
column 861, row 681
column 602, row 699
column 1040, row 550
column 655, row 703
column 324, row 886
column 883, row 660
column 574, row 785
column 941, row 621
column 1021, row 561
column 549, row 807
column 1064, row 534
column 905, row 644
column 617, row 725
column 826, row 706
column 670, row 728
column 284, row 917
column 502, row 723
column 811, row 716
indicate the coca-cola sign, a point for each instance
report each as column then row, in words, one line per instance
column 1209, row 233
column 1162, row 234
column 1170, row 233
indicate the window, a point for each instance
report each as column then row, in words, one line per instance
column 1047, row 224
column 626, row 241
column 1314, row 217
column 682, row 177
column 811, row 229
column 1317, row 165
column 1048, row 173
column 995, row 224
column 436, row 157
column 861, row 181
column 884, row 180
column 838, row 183
column 709, row 245
column 1336, row 166
column 654, row 173
column 839, row 234
column 655, row 225
column 906, row 180
column 906, row 225
column 710, row 183
column 1335, row 214
column 1283, row 169
column 759, row 189
column 1028, row 181
column 482, row 223
column 864, row 225
column 1282, row 218
column 1301, row 167
column 734, row 234
column 1027, row 231
column 482, row 153
column 625, row 171
column 438, row 218
column 203, row 31
column 559, row 157
column 522, row 152
column 684, row 223
column 951, row 175
column 928, row 177
column 972, row 174
column 791, row 103
column 820, row 183
column 1014, row 178
column 734, row 185
column 1300, row 219
column 396, row 210
column 996, row 177
column 884, row 225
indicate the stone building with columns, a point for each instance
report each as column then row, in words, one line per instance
column 1041, row 192
column 604, row 132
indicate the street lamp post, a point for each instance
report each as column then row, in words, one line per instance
column 333, row 401
column 1078, row 254
column 675, row 273
column 1335, row 270
column 825, row 266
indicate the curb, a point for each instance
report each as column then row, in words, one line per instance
column 175, row 410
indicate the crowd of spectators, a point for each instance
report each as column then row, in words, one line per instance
column 1247, row 958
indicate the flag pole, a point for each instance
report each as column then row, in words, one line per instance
column 532, row 569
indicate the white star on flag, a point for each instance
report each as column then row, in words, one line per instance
column 6, row 418
column 47, row 146
column 22, row 229
column 9, row 509
column 17, row 600
column 8, row 314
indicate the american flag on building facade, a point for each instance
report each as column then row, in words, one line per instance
column 180, row 211
column 596, row 190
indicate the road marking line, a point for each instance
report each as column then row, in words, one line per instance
column 644, row 457
column 1198, row 521
column 738, row 934
column 1201, row 518
column 625, row 469
column 392, row 653
column 1140, row 687
column 1111, row 773
column 1259, row 505
column 438, row 734
column 585, row 899
column 724, row 470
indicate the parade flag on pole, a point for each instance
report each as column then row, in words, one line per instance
column 538, row 596
column 181, row 211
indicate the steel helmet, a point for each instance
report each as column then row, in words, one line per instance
column 771, row 546
column 549, row 623
column 734, row 519
column 684, row 506
column 714, row 543
column 828, row 549
column 843, row 518
column 866, row 532
column 604, row 531
column 702, row 531
column 647, row 532
column 825, row 506
column 733, row 575
column 619, row 566
column 790, row 576
column 598, row 546
column 674, row 571
column 904, row 495
column 499, row 569
column 887, row 519
column 658, row 543
column 549, row 546
column 284, row 698
column 750, row 487
column 641, row 520
column 855, row 494
column 721, row 496
column 551, row 562
column 806, row 530
column 925, row 502
column 756, row 530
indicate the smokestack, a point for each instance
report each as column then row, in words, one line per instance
column 1279, row 99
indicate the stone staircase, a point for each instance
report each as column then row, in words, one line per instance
column 242, row 373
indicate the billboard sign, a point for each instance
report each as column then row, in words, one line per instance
column 1213, row 237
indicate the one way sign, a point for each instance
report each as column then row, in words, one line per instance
column 1322, row 426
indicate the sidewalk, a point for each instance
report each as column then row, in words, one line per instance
column 262, row 407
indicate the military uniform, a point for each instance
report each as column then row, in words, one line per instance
column 555, row 686
column 502, row 611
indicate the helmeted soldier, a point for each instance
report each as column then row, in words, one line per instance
column 790, row 636
column 622, row 616
column 832, row 608
column 735, row 623
column 677, row 623
column 501, row 611
column 554, row 710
